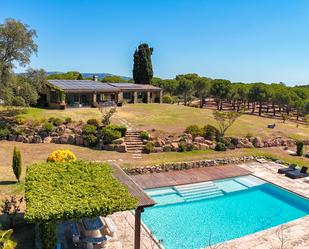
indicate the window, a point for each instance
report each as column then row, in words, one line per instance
column 54, row 97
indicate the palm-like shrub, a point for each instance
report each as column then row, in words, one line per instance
column 299, row 148
column 16, row 163
column 61, row 156
column 6, row 240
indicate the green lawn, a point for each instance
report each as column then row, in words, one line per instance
column 173, row 119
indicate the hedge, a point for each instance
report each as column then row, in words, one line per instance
column 64, row 191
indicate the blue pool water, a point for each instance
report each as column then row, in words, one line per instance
column 197, row 215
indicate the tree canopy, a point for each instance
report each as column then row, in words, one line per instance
column 142, row 68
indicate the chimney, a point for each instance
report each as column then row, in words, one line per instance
column 95, row 78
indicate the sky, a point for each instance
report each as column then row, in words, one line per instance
column 240, row 40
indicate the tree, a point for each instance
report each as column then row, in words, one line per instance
column 185, row 88
column 219, row 90
column 16, row 163
column 142, row 68
column 258, row 93
column 201, row 86
column 225, row 120
column 16, row 46
column 80, row 77
column 113, row 79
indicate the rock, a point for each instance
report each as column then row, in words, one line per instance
column 109, row 147
column 78, row 130
column 36, row 139
column 12, row 137
column 71, row 139
column 54, row 134
column 121, row 147
column 54, row 140
column 26, row 139
column 61, row 128
column 63, row 139
column 47, row 140
column 30, row 139
column 208, row 142
column 79, row 140
column 159, row 142
column 231, row 146
column 199, row 139
column 174, row 146
column 157, row 149
column 307, row 155
column 167, row 148
column 257, row 142
column 43, row 134
column 212, row 146
column 118, row 141
column 201, row 146
column 19, row 138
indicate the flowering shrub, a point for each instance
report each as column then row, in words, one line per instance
column 61, row 156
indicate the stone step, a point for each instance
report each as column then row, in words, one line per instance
column 134, row 142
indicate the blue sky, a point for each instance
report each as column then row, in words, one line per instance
column 240, row 40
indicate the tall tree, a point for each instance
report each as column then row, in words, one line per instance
column 185, row 88
column 142, row 68
column 201, row 86
column 220, row 90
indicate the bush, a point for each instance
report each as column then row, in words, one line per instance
column 211, row 133
column 6, row 239
column 18, row 131
column 148, row 148
column 58, row 121
column 121, row 128
column 20, row 120
column 249, row 135
column 220, row 147
column 108, row 135
column 48, row 235
column 91, row 139
column 48, row 127
column 194, row 130
column 16, row 163
column 89, row 129
column 168, row 99
column 4, row 132
column 182, row 146
column 144, row 135
column 61, row 156
column 299, row 148
column 18, row 101
column 68, row 120
column 94, row 122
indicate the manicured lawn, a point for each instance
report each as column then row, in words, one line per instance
column 173, row 119
column 33, row 153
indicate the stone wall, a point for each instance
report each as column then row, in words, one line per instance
column 164, row 167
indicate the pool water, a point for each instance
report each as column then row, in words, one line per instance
column 198, row 215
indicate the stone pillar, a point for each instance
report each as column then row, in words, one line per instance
column 161, row 93
column 148, row 100
column 134, row 97
column 119, row 97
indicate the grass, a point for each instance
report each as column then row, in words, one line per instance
column 34, row 153
column 173, row 119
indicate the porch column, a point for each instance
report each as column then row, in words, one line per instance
column 120, row 97
column 161, row 93
column 148, row 98
column 134, row 97
column 94, row 99
column 137, row 234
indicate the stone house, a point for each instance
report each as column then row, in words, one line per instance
column 60, row 94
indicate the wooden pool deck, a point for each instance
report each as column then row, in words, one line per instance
column 188, row 176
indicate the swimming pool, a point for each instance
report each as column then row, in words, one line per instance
column 198, row 215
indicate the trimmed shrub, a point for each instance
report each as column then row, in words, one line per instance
column 168, row 99
column 4, row 132
column 108, row 135
column 91, row 139
column 68, row 120
column 16, row 163
column 211, row 133
column 299, row 148
column 20, row 120
column 61, row 156
column 148, row 148
column 144, row 135
column 220, row 147
column 48, row 127
column 89, row 129
column 58, row 121
column 121, row 128
column 194, row 130
column 94, row 122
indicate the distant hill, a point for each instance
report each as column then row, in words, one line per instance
column 89, row 75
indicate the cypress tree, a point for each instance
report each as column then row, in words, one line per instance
column 142, row 68
column 16, row 163
column 80, row 76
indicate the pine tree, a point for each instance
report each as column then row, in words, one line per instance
column 80, row 76
column 142, row 68
column 16, row 163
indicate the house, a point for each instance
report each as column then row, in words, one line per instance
column 85, row 93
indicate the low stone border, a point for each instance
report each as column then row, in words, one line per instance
column 164, row 167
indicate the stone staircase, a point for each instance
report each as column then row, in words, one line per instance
column 134, row 142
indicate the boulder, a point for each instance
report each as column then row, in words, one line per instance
column 71, row 139
column 201, row 146
column 159, row 142
column 63, row 139
column 54, row 140
column 167, row 148
column 79, row 140
column 36, row 139
column 209, row 142
column 54, row 134
column 30, row 139
column 12, row 137
column 175, row 146
column 109, row 147
column 157, row 149
column 26, row 139
column 199, row 139
column 257, row 142
column 78, row 130
column 118, row 141
column 47, row 140
column 231, row 146
column 121, row 147
column 61, row 128
column 19, row 138
column 212, row 146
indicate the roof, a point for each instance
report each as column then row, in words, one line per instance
column 83, row 85
column 92, row 86
column 143, row 199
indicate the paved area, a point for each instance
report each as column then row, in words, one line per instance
column 180, row 177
